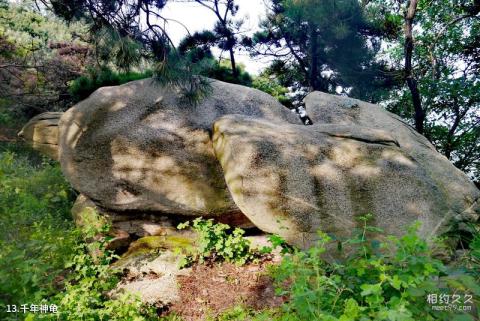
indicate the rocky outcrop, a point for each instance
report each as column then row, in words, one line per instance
column 461, row 195
column 356, row 159
column 41, row 132
column 139, row 147
column 138, row 152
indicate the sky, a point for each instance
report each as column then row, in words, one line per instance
column 197, row 18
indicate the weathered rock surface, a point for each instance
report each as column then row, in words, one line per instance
column 41, row 132
column 152, row 264
column 90, row 218
column 138, row 147
column 356, row 159
column 153, row 280
column 126, row 227
column 86, row 213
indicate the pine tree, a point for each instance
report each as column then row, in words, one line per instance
column 322, row 44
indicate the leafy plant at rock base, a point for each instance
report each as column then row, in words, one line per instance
column 43, row 259
column 88, row 287
column 475, row 249
column 217, row 241
column 387, row 280
column 243, row 313
column 36, row 231
column 468, row 257
column 86, row 295
column 277, row 241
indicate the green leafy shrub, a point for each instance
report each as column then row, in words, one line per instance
column 83, row 86
column 468, row 256
column 222, row 70
column 388, row 280
column 10, row 117
column 243, row 313
column 5, row 118
column 44, row 259
column 36, row 232
column 87, row 288
column 275, row 242
column 475, row 250
column 6, row 115
column 272, row 87
column 219, row 241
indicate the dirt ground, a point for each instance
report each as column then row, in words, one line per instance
column 214, row 288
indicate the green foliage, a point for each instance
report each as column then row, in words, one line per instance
column 468, row 253
column 272, row 86
column 43, row 259
column 196, row 49
column 7, row 116
column 184, row 73
column 218, row 241
column 243, row 313
column 223, row 71
column 36, row 232
column 39, row 54
column 475, row 248
column 83, row 86
column 445, row 64
column 321, row 45
column 370, row 280
column 31, row 31
column 225, row 34
column 277, row 241
column 86, row 290
column 113, row 48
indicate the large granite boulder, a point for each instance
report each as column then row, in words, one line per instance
column 140, row 147
column 41, row 132
column 356, row 159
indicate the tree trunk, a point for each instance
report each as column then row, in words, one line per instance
column 234, row 65
column 410, row 79
column 313, row 72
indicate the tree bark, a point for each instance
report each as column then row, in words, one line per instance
column 233, row 63
column 215, row 8
column 313, row 76
column 409, row 78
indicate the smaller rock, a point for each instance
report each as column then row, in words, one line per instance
column 120, row 240
column 41, row 132
column 173, row 239
column 153, row 276
column 154, row 281
column 86, row 214
column 141, row 225
column 90, row 219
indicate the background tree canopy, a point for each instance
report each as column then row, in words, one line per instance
column 444, row 66
column 418, row 58
column 321, row 45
